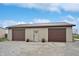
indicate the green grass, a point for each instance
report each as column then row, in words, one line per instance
column 76, row 37
column 3, row 39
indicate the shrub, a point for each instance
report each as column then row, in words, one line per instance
column 43, row 40
column 27, row 40
column 3, row 39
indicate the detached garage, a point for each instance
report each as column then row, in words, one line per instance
column 50, row 32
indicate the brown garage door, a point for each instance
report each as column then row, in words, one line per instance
column 18, row 34
column 57, row 35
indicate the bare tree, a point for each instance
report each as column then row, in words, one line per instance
column 75, row 31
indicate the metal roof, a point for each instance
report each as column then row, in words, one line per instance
column 43, row 24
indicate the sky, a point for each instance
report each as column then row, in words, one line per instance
column 24, row 13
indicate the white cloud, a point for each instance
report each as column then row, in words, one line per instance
column 6, row 23
column 72, row 7
column 40, row 6
column 21, row 22
column 70, row 19
column 41, row 21
column 53, row 7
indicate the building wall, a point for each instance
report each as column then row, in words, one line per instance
column 69, row 37
column 2, row 32
column 10, row 34
column 42, row 33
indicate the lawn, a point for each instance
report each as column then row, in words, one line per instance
column 3, row 39
column 76, row 37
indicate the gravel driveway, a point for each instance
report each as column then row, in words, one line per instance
column 19, row 48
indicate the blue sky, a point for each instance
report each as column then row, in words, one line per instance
column 21, row 13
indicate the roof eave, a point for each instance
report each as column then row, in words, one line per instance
column 41, row 26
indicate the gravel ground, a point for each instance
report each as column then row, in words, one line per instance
column 19, row 48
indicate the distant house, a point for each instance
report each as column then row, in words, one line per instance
column 50, row 32
column 2, row 32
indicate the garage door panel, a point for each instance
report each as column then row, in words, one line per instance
column 18, row 34
column 57, row 35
